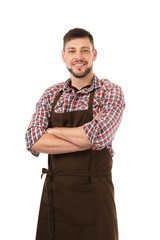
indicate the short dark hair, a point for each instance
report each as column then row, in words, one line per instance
column 77, row 33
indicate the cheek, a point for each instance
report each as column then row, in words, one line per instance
column 90, row 61
column 68, row 60
column 68, row 63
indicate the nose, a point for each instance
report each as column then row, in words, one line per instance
column 78, row 55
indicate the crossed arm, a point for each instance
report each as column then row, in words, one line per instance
column 60, row 140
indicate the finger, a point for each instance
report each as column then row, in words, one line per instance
column 48, row 130
column 100, row 113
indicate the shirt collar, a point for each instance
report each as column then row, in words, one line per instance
column 94, row 85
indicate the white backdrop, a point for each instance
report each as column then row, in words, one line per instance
column 127, row 39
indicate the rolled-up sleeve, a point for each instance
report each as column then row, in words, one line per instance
column 38, row 124
column 102, row 132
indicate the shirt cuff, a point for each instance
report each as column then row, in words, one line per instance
column 36, row 154
column 32, row 137
column 91, row 130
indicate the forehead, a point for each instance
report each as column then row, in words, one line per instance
column 78, row 43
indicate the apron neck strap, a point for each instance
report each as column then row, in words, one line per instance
column 90, row 107
column 56, row 99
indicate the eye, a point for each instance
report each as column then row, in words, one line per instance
column 71, row 51
column 85, row 50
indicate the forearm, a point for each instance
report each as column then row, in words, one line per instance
column 75, row 135
column 51, row 144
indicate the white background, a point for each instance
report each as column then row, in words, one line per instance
column 127, row 39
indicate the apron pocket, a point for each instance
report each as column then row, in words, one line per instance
column 74, row 204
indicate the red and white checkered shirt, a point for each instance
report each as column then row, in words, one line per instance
column 108, row 96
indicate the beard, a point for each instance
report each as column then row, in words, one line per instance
column 81, row 75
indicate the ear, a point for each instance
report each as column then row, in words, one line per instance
column 94, row 54
column 63, row 57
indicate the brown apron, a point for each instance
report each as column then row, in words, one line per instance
column 78, row 194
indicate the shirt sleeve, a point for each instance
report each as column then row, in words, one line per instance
column 38, row 124
column 102, row 132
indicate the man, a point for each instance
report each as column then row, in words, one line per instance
column 74, row 123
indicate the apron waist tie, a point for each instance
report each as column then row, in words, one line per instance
column 49, row 172
column 75, row 173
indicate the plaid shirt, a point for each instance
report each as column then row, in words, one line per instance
column 108, row 96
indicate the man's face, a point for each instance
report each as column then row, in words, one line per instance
column 79, row 56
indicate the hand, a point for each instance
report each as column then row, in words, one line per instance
column 98, row 116
column 50, row 130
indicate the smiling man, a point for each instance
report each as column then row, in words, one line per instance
column 75, row 123
column 82, row 65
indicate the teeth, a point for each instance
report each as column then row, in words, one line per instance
column 78, row 65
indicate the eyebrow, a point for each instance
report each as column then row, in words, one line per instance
column 75, row 48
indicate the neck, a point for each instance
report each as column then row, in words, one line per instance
column 81, row 82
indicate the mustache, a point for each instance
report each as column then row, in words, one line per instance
column 79, row 62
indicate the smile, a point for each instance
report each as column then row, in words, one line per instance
column 78, row 65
